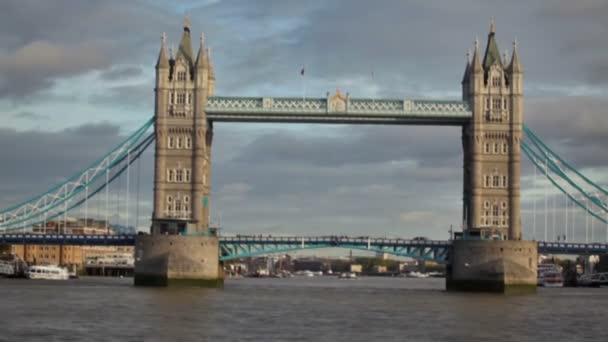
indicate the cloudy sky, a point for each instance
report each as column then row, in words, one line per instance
column 76, row 76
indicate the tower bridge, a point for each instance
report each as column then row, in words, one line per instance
column 181, row 248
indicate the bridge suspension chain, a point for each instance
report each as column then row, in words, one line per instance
column 119, row 170
column 41, row 208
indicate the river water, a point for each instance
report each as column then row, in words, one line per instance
column 294, row 309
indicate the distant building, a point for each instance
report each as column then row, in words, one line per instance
column 379, row 269
column 73, row 256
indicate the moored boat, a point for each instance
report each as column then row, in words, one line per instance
column 7, row 268
column 50, row 272
column 552, row 279
column 348, row 275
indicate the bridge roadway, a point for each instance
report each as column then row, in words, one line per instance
column 242, row 246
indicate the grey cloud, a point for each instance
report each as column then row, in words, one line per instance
column 35, row 66
column 121, row 72
column 132, row 96
column 575, row 127
column 30, row 116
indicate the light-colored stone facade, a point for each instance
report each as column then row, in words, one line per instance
column 183, row 139
column 491, row 143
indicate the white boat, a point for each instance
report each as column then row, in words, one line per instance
column 50, row 272
column 348, row 275
column 552, row 279
column 417, row 275
column 549, row 275
column 7, row 268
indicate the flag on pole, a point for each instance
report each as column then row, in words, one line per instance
column 302, row 71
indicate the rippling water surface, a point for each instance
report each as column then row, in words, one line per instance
column 295, row 309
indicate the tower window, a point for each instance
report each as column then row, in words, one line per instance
column 179, row 142
column 169, row 199
column 171, row 142
column 179, row 175
column 505, row 148
column 171, row 98
column 497, row 104
column 189, row 98
column 496, row 81
column 181, row 98
column 487, row 181
column 496, row 181
column 188, row 142
column 181, row 75
column 487, row 147
column 187, row 175
column 171, row 175
column 178, row 205
column 495, row 148
column 504, row 181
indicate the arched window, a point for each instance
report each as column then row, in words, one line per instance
column 496, row 148
column 487, row 181
column 188, row 142
column 169, row 199
column 496, row 181
column 487, row 147
column 178, row 205
column 179, row 142
column 186, row 199
column 505, row 148
column 187, row 175
column 179, row 175
column 171, row 97
column 181, row 75
column 504, row 181
column 171, row 175
column 171, row 142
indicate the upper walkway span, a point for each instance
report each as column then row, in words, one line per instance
column 337, row 109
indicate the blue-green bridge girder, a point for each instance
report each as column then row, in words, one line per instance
column 249, row 246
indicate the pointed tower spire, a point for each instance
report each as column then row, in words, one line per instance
column 185, row 45
column 162, row 62
column 200, row 58
column 492, row 54
column 515, row 66
column 476, row 64
column 467, row 68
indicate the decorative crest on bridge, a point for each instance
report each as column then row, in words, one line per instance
column 337, row 102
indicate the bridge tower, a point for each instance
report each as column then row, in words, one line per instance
column 183, row 139
column 491, row 257
column 491, row 141
column 180, row 249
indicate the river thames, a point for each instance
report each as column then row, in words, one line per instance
column 295, row 309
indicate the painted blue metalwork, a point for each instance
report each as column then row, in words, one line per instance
column 337, row 109
column 37, row 206
column 236, row 247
